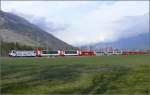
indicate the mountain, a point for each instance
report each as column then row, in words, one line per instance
column 16, row 29
column 135, row 34
column 140, row 41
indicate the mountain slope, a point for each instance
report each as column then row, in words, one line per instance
column 137, row 42
column 16, row 29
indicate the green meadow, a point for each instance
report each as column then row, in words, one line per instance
column 109, row 75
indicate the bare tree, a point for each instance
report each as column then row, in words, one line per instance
column 91, row 47
column 83, row 48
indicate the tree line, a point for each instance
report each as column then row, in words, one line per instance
column 5, row 47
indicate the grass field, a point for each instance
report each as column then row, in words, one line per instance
column 108, row 75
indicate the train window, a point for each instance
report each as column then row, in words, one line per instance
column 52, row 52
column 70, row 52
column 118, row 52
column 100, row 52
column 45, row 52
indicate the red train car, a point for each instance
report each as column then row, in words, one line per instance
column 40, row 52
column 134, row 52
column 87, row 53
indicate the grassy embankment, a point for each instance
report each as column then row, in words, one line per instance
column 72, row 75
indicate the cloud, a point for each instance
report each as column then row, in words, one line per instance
column 42, row 22
column 135, row 25
column 86, row 22
column 101, row 24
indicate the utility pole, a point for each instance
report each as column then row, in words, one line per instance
column 149, row 34
column 149, row 38
column 1, row 45
column 149, row 42
column 0, row 6
column 1, row 40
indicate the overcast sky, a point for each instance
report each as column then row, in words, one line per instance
column 84, row 22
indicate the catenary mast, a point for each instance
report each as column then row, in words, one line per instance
column 0, row 5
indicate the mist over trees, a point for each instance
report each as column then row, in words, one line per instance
column 5, row 47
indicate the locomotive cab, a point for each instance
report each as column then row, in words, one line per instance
column 12, row 53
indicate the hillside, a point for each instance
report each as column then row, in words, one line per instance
column 134, row 37
column 137, row 42
column 16, row 29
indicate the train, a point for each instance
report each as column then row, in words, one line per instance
column 22, row 53
column 42, row 53
column 134, row 52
